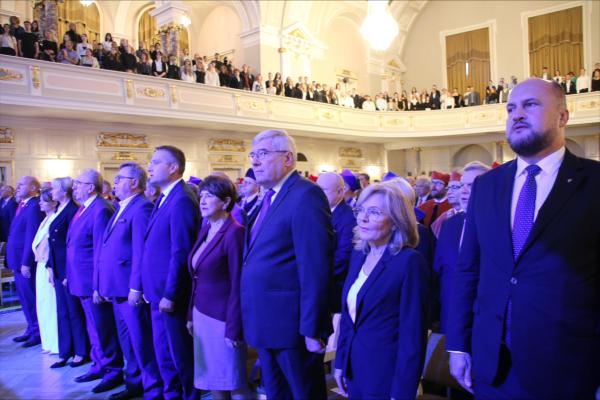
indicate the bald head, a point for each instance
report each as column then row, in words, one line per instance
column 537, row 118
column 27, row 187
column 333, row 186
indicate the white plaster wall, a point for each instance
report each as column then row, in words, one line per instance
column 423, row 51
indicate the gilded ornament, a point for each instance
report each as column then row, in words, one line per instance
column 8, row 75
column 150, row 92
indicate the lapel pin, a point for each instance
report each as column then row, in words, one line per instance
column 569, row 180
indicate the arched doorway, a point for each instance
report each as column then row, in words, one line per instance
column 472, row 152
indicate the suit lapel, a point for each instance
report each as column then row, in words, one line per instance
column 375, row 274
column 214, row 241
column 504, row 202
column 568, row 179
column 164, row 205
column 111, row 225
column 278, row 200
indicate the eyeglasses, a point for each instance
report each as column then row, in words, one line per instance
column 119, row 177
column 372, row 212
column 454, row 187
column 261, row 154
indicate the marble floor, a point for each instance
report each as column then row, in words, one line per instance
column 26, row 374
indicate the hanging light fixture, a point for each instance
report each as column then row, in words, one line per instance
column 86, row 3
column 185, row 21
column 379, row 28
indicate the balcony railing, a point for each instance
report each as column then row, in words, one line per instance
column 58, row 87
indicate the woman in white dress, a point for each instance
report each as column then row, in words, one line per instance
column 45, row 295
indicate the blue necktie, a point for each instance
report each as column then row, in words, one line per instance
column 522, row 225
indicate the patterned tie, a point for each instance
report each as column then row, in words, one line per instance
column 264, row 207
column 157, row 204
column 525, row 211
column 522, row 225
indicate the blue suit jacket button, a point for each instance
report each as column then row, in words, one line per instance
column 513, row 280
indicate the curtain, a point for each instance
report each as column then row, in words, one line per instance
column 148, row 33
column 87, row 20
column 556, row 42
column 472, row 48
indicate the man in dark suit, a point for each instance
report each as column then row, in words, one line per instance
column 19, row 255
column 434, row 98
column 118, row 265
column 249, row 191
column 568, row 85
column 448, row 244
column 287, row 273
column 8, row 208
column 83, row 243
column 166, row 284
column 526, row 301
column 343, row 221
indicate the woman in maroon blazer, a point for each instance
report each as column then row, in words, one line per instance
column 214, row 318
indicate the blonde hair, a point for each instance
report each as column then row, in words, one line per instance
column 398, row 208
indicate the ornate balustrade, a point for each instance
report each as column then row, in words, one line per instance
column 25, row 84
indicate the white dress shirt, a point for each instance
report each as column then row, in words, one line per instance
column 168, row 190
column 544, row 179
column 122, row 205
column 353, row 293
column 87, row 203
column 583, row 82
column 279, row 185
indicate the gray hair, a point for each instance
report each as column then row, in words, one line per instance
column 401, row 213
column 138, row 173
column 65, row 184
column 405, row 187
column 95, row 178
column 476, row 166
column 280, row 140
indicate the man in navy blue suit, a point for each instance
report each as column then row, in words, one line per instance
column 83, row 244
column 343, row 221
column 8, row 208
column 448, row 244
column 118, row 265
column 166, row 284
column 286, row 274
column 525, row 313
column 19, row 255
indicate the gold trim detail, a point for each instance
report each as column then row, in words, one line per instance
column 352, row 152
column 124, row 140
column 124, row 156
column 129, row 87
column 35, row 76
column 150, row 92
column 588, row 105
column 6, row 136
column 8, row 75
column 174, row 93
column 226, row 145
column 328, row 115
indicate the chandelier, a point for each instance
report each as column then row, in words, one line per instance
column 379, row 28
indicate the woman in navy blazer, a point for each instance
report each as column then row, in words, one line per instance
column 382, row 340
column 214, row 318
column 72, row 334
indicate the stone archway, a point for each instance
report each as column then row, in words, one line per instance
column 472, row 152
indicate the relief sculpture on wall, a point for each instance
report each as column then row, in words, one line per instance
column 127, row 140
column 352, row 152
column 226, row 145
column 6, row 136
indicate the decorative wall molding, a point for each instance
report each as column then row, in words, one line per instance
column 205, row 107
column 229, row 145
column 9, row 75
column 121, row 140
column 352, row 152
column 6, row 136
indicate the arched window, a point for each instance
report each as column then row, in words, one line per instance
column 148, row 31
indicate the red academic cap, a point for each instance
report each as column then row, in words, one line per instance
column 440, row 176
column 496, row 164
column 455, row 176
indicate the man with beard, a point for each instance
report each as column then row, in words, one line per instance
column 454, row 200
column 439, row 203
column 525, row 305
